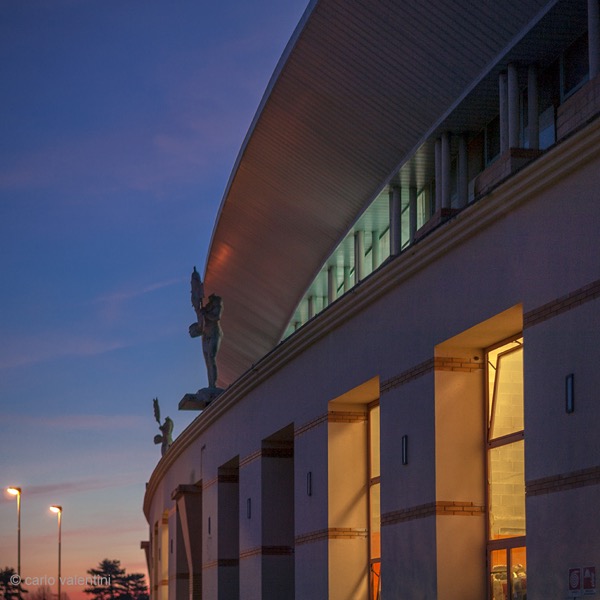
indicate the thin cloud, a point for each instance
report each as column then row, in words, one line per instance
column 31, row 350
column 26, row 350
column 92, row 422
column 111, row 305
column 140, row 156
column 130, row 293
column 64, row 489
column 71, row 487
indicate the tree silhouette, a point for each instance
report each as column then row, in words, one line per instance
column 136, row 587
column 10, row 585
column 110, row 582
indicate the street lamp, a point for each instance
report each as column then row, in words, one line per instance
column 58, row 511
column 16, row 491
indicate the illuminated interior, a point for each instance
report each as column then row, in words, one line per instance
column 374, row 225
column 374, row 503
column 506, row 472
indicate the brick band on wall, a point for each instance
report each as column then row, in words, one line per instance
column 460, row 364
column 547, row 311
column 250, row 458
column 221, row 562
column 441, row 507
column 562, row 304
column 338, row 416
column 310, row 425
column 332, row 533
column 228, row 475
column 406, row 376
column 267, row 551
column 277, row 453
column 334, row 416
column 565, row 481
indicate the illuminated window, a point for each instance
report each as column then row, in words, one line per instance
column 506, row 472
column 424, row 204
column 374, row 504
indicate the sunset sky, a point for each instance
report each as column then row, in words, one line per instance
column 120, row 121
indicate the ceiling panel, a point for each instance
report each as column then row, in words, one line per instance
column 361, row 87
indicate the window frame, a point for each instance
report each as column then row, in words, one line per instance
column 373, row 481
column 506, row 544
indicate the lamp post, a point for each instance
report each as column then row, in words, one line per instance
column 58, row 511
column 16, row 491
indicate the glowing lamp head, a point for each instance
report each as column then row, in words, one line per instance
column 15, row 491
column 56, row 509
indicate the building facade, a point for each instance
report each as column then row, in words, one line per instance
column 410, row 407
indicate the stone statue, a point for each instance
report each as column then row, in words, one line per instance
column 166, row 430
column 197, row 294
column 208, row 326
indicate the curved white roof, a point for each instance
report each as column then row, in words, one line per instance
column 362, row 85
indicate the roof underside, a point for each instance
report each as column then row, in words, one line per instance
column 362, row 86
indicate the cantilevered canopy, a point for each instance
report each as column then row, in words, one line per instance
column 361, row 86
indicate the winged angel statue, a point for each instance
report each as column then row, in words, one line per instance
column 166, row 430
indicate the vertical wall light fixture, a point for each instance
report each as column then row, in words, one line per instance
column 309, row 483
column 570, row 393
column 404, row 449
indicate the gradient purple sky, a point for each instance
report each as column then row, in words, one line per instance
column 120, row 121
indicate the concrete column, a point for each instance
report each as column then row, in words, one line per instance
column 331, row 284
column 594, row 37
column 359, row 256
column 395, row 216
column 412, row 213
column 145, row 546
column 250, row 531
column 189, row 511
column 502, row 84
column 446, row 191
column 311, row 307
column 154, row 573
column 179, row 574
column 437, row 201
column 463, row 171
column 533, row 113
column 375, row 254
column 277, row 516
column 228, row 533
column 513, row 107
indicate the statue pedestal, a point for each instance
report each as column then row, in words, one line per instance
column 200, row 400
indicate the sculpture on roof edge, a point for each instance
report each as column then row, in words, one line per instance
column 208, row 327
column 166, row 430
